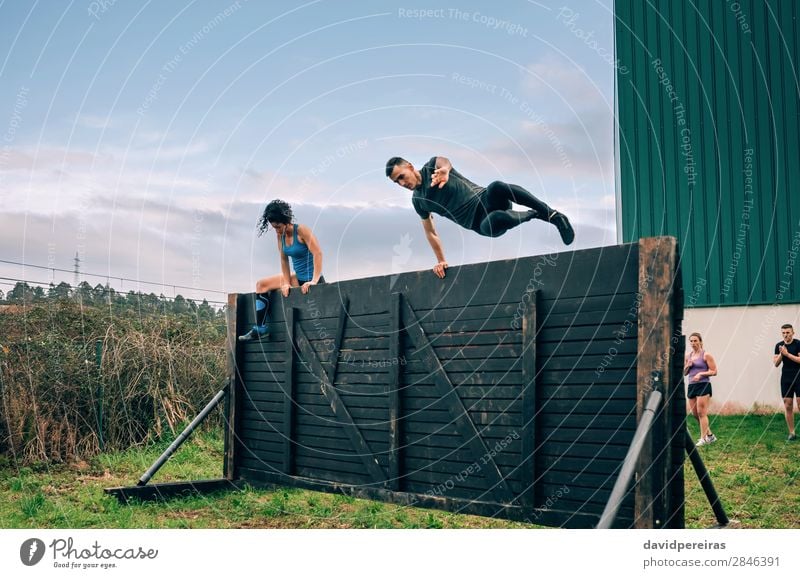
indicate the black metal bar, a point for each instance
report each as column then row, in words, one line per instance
column 167, row 490
column 705, row 481
column 629, row 465
column 182, row 437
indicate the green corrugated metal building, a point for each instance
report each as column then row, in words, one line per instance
column 708, row 145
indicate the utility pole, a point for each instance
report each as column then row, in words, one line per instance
column 77, row 269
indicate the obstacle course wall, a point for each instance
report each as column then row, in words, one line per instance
column 508, row 389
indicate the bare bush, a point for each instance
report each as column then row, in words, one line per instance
column 157, row 373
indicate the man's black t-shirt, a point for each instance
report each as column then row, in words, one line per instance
column 789, row 369
column 458, row 200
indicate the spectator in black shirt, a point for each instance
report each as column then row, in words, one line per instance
column 787, row 352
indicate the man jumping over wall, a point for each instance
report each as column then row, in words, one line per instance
column 439, row 188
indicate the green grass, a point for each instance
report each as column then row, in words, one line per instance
column 756, row 473
column 71, row 496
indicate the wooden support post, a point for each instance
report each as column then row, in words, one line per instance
column 289, row 395
column 394, row 391
column 231, row 321
column 657, row 275
column 528, row 461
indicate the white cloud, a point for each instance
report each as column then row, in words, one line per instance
column 555, row 76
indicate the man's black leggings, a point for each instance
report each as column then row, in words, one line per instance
column 495, row 217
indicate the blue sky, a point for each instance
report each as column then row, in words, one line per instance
column 148, row 137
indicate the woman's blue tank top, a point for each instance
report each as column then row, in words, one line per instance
column 302, row 259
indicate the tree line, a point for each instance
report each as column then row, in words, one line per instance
column 104, row 296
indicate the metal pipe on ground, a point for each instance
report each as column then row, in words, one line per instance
column 183, row 436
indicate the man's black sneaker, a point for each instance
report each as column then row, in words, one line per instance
column 564, row 228
column 256, row 333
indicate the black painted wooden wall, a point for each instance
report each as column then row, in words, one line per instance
column 507, row 389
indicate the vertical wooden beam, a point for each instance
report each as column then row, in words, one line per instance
column 528, row 460
column 657, row 275
column 229, row 460
column 395, row 302
column 338, row 338
column 676, row 405
column 289, row 394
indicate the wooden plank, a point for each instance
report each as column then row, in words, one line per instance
column 255, row 433
column 442, row 314
column 248, row 412
column 288, row 391
column 475, row 338
column 270, row 459
column 455, row 428
column 612, row 317
column 587, row 422
column 618, row 392
column 353, row 382
column 508, row 458
column 583, row 450
column 588, row 377
column 597, row 361
column 579, row 465
column 590, row 347
column 492, row 389
column 308, row 433
column 585, row 304
column 657, row 266
column 362, row 416
column 529, row 406
column 252, row 374
column 445, row 444
column 458, row 412
column 336, row 445
column 490, row 404
column 579, row 406
column 394, row 398
column 234, row 385
column 466, row 365
column 479, row 418
column 460, row 468
column 615, row 436
column 257, row 445
column 264, row 397
column 339, row 409
column 342, row 464
column 497, row 326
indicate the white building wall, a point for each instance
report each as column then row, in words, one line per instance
column 742, row 341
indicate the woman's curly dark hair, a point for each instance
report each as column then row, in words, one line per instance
column 277, row 211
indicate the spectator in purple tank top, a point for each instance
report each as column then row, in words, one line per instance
column 699, row 366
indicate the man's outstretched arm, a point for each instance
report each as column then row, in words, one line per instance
column 436, row 245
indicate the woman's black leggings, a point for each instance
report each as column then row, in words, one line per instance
column 495, row 216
